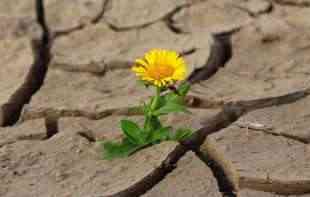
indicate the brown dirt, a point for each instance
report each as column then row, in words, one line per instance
column 51, row 151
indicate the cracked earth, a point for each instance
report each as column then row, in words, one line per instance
column 65, row 83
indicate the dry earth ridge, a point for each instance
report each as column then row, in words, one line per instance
column 88, row 47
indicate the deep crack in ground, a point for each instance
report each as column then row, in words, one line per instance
column 231, row 111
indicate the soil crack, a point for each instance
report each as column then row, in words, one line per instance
column 225, row 186
column 10, row 111
column 31, row 114
column 292, row 3
column 221, row 53
column 230, row 113
column 37, row 113
column 269, row 130
column 166, row 18
column 256, row 13
column 64, row 32
column 96, row 68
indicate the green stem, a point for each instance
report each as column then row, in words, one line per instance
column 155, row 100
column 154, row 104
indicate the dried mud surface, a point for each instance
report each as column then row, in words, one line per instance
column 88, row 50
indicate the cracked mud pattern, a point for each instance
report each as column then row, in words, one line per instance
column 51, row 150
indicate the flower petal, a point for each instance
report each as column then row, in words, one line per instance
column 161, row 67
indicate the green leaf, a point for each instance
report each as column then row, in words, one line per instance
column 152, row 123
column 146, row 108
column 181, row 134
column 113, row 150
column 132, row 131
column 160, row 135
column 184, row 88
column 170, row 107
column 178, row 95
column 160, row 102
column 155, row 123
column 172, row 97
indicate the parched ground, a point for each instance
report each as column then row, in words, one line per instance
column 51, row 150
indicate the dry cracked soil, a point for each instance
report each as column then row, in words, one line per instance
column 47, row 142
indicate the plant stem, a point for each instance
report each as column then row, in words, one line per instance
column 154, row 104
column 155, row 100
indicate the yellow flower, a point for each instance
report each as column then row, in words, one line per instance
column 161, row 67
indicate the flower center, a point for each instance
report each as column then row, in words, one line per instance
column 159, row 72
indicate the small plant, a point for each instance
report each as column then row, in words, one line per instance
column 160, row 69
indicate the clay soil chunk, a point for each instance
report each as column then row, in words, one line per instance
column 266, row 153
column 98, row 48
column 290, row 120
column 60, row 14
column 83, row 91
column 256, row 160
column 293, row 2
column 125, row 14
column 253, row 193
column 280, row 67
column 254, row 7
column 109, row 127
column 83, row 75
column 16, row 59
column 15, row 162
column 213, row 16
column 96, row 43
column 31, row 130
column 191, row 178
column 298, row 18
column 68, row 164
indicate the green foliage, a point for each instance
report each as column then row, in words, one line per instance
column 169, row 107
column 133, row 132
column 119, row 149
column 181, row 134
column 152, row 123
column 184, row 89
column 152, row 132
column 159, row 135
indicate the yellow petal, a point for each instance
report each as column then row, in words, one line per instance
column 161, row 67
column 141, row 62
column 138, row 69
